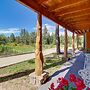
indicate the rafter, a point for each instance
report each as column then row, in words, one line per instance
column 79, row 31
column 78, row 20
column 80, row 26
column 81, row 23
column 80, row 12
column 73, row 12
column 54, row 6
column 79, row 16
column 41, row 1
column 81, row 6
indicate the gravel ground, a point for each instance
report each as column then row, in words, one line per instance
column 17, row 84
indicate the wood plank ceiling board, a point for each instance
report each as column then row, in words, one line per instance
column 71, row 14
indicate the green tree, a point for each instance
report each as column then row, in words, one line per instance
column 32, row 38
column 24, row 37
column 18, row 39
column 69, row 41
column 46, row 36
column 62, row 39
column 3, row 39
column 12, row 37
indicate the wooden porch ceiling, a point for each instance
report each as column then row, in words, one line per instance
column 74, row 15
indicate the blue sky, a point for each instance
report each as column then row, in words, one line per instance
column 14, row 16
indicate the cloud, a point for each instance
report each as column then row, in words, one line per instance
column 51, row 29
column 63, row 33
column 9, row 30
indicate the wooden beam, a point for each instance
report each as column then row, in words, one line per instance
column 38, row 52
column 80, row 26
column 80, row 23
column 78, row 16
column 79, row 32
column 72, row 8
column 54, row 6
column 39, row 8
column 67, row 14
column 66, row 44
column 78, row 20
column 41, row 1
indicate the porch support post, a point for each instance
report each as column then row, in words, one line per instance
column 38, row 52
column 84, row 41
column 73, row 47
column 57, row 39
column 66, row 44
column 77, row 40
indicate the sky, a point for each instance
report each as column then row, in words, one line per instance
column 14, row 16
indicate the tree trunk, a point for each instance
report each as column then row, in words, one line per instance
column 57, row 39
column 38, row 52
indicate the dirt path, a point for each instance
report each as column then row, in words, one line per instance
column 6, row 61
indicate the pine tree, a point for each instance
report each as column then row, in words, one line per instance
column 12, row 37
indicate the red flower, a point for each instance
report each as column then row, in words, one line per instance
column 64, row 82
column 52, row 87
column 59, row 80
column 79, row 84
column 72, row 77
column 59, row 88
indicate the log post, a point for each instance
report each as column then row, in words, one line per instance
column 38, row 52
column 84, row 41
column 57, row 39
column 73, row 48
column 66, row 44
column 77, row 40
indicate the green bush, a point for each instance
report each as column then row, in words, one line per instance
column 6, row 50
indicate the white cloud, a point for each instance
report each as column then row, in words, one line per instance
column 63, row 33
column 9, row 30
column 51, row 29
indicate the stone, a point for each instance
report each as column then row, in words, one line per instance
column 38, row 80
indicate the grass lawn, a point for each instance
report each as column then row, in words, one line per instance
column 52, row 63
column 12, row 49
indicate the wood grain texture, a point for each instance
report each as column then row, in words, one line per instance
column 71, row 14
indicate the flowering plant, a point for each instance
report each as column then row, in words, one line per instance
column 64, row 84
